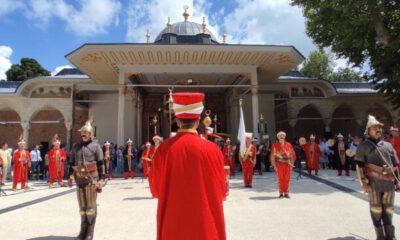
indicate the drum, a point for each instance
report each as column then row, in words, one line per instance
column 350, row 153
column 302, row 141
column 227, row 171
column 331, row 142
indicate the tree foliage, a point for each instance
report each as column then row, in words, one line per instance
column 29, row 68
column 362, row 31
column 320, row 65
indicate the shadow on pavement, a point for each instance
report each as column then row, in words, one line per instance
column 138, row 198
column 263, row 198
column 51, row 238
column 347, row 238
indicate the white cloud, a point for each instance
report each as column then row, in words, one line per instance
column 90, row 18
column 5, row 63
column 268, row 22
column 153, row 15
column 8, row 6
column 59, row 68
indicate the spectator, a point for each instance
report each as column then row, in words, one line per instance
column 36, row 162
column 5, row 154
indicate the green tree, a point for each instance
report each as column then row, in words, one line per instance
column 318, row 65
column 362, row 31
column 29, row 68
column 345, row 75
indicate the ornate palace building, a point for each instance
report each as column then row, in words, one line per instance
column 125, row 88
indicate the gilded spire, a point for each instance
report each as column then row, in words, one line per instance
column 169, row 25
column 185, row 14
column 204, row 25
column 148, row 36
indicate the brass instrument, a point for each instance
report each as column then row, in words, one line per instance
column 331, row 142
column 350, row 153
column 129, row 158
column 107, row 158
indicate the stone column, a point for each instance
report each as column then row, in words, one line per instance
column 121, row 110
column 68, row 126
column 292, row 124
column 254, row 103
column 327, row 123
column 25, row 129
column 139, row 121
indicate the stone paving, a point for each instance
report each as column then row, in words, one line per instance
column 127, row 211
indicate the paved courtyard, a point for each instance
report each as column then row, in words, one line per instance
column 326, row 207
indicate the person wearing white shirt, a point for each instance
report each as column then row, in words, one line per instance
column 5, row 154
column 36, row 162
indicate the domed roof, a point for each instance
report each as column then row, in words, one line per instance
column 185, row 28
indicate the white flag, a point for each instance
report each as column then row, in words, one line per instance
column 242, row 131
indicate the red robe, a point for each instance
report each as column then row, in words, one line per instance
column 396, row 145
column 228, row 159
column 248, row 165
column 189, row 180
column 20, row 169
column 53, row 167
column 147, row 156
column 312, row 161
column 283, row 170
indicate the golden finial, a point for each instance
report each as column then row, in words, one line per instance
column 185, row 14
column 204, row 25
column 224, row 38
column 148, row 36
column 169, row 25
column 207, row 120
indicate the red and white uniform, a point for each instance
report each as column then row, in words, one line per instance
column 283, row 169
column 22, row 159
column 228, row 154
column 312, row 151
column 248, row 164
column 188, row 178
column 57, row 158
column 147, row 156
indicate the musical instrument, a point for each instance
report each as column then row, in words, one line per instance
column 129, row 158
column 302, row 141
column 24, row 162
column 283, row 158
column 331, row 142
column 107, row 158
column 350, row 153
column 247, row 154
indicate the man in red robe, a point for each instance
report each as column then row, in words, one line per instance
column 188, row 178
column 395, row 141
column 312, row 155
column 147, row 156
column 282, row 159
column 22, row 159
column 228, row 155
column 57, row 158
column 249, row 161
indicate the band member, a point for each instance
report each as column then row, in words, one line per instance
column 376, row 163
column 87, row 168
column 340, row 160
column 108, row 155
column 21, row 159
column 395, row 140
column 147, row 156
column 265, row 149
column 188, row 178
column 248, row 161
column 157, row 141
column 130, row 154
column 283, row 158
column 228, row 156
column 57, row 158
column 313, row 152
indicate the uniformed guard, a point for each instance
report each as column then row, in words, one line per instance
column 379, row 177
column 87, row 168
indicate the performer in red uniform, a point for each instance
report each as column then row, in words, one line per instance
column 157, row 141
column 147, row 155
column 395, row 140
column 248, row 161
column 282, row 159
column 57, row 158
column 188, row 178
column 312, row 155
column 228, row 154
column 22, row 159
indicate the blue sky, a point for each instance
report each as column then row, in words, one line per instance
column 49, row 29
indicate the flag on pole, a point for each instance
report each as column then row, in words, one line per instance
column 242, row 131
